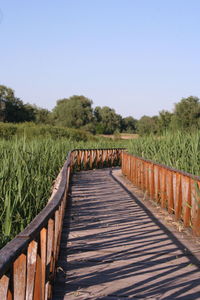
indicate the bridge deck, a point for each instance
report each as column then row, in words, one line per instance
column 117, row 249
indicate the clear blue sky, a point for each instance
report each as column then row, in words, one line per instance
column 137, row 56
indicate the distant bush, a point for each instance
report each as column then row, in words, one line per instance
column 7, row 131
column 31, row 130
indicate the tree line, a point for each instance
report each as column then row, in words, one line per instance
column 77, row 112
column 73, row 112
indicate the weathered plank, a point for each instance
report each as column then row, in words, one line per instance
column 117, row 249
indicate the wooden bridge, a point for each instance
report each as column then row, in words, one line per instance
column 109, row 233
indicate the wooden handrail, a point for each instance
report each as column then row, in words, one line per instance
column 174, row 190
column 27, row 263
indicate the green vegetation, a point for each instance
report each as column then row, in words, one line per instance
column 34, row 143
column 31, row 130
column 178, row 150
column 74, row 112
column 185, row 117
column 77, row 112
column 27, row 170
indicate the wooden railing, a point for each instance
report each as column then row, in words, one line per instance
column 174, row 190
column 84, row 159
column 28, row 262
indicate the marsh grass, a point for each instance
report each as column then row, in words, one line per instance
column 178, row 150
column 28, row 168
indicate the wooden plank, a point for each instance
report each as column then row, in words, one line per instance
column 10, row 294
column 31, row 269
column 147, row 178
column 43, row 250
column 156, row 183
column 170, row 194
column 19, row 277
column 152, row 186
column 196, row 222
column 142, row 176
column 50, row 232
column 55, row 241
column 132, row 169
column 187, row 203
column 163, row 187
column 38, row 279
column 178, row 205
column 136, row 172
column 79, row 160
column 4, row 283
column 91, row 159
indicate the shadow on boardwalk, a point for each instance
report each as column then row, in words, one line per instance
column 117, row 249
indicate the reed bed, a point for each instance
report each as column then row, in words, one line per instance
column 178, row 150
column 27, row 170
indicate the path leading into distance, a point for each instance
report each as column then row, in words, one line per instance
column 117, row 249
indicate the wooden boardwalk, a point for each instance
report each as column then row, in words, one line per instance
column 116, row 249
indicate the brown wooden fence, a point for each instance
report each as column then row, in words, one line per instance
column 174, row 190
column 27, row 263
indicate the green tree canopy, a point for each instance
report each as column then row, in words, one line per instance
column 12, row 108
column 107, row 121
column 187, row 113
column 41, row 115
column 75, row 111
column 147, row 125
column 129, row 124
column 164, row 121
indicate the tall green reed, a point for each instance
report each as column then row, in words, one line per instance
column 178, row 150
column 27, row 170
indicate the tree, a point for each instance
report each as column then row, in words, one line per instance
column 164, row 120
column 147, row 125
column 39, row 115
column 106, row 119
column 187, row 113
column 12, row 108
column 75, row 111
column 129, row 125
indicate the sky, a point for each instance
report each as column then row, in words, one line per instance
column 136, row 56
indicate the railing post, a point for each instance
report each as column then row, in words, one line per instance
column 178, row 208
column 19, row 277
column 38, row 279
column 49, row 259
column 4, row 283
column 31, row 269
column 43, row 246
column 152, row 188
column 170, row 194
column 163, row 188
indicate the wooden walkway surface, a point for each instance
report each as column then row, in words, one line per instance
column 116, row 248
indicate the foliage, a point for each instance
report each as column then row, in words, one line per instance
column 12, row 109
column 164, row 121
column 7, row 131
column 187, row 113
column 75, row 112
column 147, row 125
column 129, row 125
column 186, row 116
column 31, row 130
column 41, row 115
column 179, row 150
column 107, row 121
column 27, row 170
